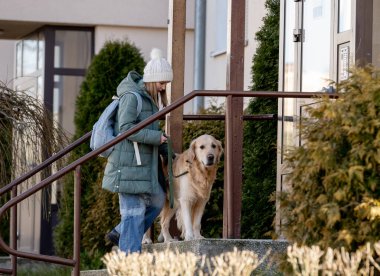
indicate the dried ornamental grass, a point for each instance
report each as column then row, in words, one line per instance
column 157, row 263
column 305, row 260
column 236, row 263
column 28, row 134
column 170, row 263
column 118, row 263
column 173, row 263
column 310, row 261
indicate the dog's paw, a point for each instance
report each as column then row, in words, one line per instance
column 170, row 240
column 198, row 237
column 160, row 237
column 189, row 237
column 165, row 237
column 146, row 241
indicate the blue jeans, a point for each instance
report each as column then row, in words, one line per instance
column 138, row 212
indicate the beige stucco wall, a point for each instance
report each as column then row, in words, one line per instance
column 216, row 65
column 91, row 12
column 255, row 13
column 7, row 61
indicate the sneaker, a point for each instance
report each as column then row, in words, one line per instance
column 113, row 237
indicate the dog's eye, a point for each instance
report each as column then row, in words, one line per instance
column 202, row 147
column 213, row 146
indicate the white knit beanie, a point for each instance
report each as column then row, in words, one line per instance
column 158, row 69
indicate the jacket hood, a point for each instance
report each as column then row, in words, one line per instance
column 132, row 82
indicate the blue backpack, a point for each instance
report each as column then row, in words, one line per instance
column 103, row 129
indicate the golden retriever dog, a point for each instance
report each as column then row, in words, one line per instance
column 194, row 173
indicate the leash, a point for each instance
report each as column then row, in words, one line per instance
column 170, row 172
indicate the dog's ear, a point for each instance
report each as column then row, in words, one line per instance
column 191, row 152
column 220, row 147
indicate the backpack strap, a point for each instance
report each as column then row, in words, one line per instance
column 135, row 145
column 139, row 100
column 138, row 108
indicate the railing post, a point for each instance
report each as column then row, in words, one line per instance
column 176, row 56
column 234, row 120
column 77, row 193
column 13, row 231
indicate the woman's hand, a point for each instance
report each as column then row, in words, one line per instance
column 163, row 139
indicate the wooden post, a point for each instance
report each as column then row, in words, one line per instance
column 234, row 120
column 176, row 57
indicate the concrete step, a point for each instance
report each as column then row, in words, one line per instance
column 100, row 272
column 213, row 247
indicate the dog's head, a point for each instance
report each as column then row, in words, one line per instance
column 206, row 149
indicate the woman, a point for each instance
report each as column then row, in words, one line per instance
column 136, row 173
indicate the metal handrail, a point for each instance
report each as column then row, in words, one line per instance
column 194, row 93
column 215, row 93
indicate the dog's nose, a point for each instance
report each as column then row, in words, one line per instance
column 210, row 158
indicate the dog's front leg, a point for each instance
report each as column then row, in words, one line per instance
column 186, row 216
column 198, row 213
column 165, row 217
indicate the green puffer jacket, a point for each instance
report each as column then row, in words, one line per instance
column 122, row 174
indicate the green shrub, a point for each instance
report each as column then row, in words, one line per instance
column 335, row 174
column 99, row 212
column 260, row 137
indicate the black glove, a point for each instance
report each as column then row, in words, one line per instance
column 163, row 151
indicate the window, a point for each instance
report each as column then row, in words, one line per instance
column 344, row 23
column 72, row 49
column 30, row 56
column 220, row 27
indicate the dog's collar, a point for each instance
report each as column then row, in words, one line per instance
column 185, row 172
column 181, row 174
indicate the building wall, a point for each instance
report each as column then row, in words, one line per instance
column 88, row 12
column 216, row 58
column 255, row 13
column 7, row 61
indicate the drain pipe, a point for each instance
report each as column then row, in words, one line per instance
column 199, row 53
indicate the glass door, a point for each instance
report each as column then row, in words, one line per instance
column 315, row 37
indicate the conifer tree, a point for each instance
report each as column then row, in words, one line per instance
column 260, row 137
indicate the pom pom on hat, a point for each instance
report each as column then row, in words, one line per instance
column 156, row 53
column 157, row 69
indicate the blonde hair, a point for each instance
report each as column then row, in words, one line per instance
column 151, row 88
